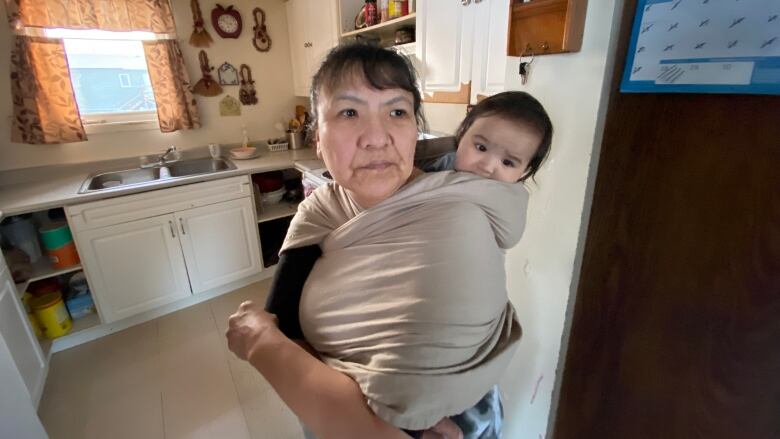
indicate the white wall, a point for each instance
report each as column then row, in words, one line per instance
column 271, row 71
column 544, row 267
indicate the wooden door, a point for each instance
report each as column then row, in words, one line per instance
column 220, row 243
column 134, row 267
column 22, row 345
column 676, row 327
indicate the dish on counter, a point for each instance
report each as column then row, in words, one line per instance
column 243, row 153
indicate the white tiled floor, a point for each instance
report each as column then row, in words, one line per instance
column 172, row 377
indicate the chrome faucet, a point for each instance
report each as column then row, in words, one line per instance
column 162, row 159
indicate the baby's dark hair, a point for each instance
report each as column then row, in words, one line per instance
column 519, row 107
column 381, row 68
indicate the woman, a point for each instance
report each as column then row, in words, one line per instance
column 366, row 133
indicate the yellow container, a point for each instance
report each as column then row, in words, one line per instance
column 52, row 315
column 35, row 325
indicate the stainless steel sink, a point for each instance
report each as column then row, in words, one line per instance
column 148, row 176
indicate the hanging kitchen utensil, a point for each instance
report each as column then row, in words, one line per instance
column 262, row 40
column 206, row 86
column 200, row 36
column 247, row 95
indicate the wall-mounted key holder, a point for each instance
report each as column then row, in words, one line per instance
column 544, row 27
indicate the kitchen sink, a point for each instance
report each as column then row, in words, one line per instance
column 147, row 176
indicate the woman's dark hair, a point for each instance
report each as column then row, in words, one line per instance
column 381, row 68
column 519, row 107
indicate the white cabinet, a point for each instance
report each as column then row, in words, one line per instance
column 220, row 243
column 461, row 48
column 491, row 33
column 19, row 339
column 143, row 251
column 134, row 267
column 311, row 25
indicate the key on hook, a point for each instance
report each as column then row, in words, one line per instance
column 525, row 66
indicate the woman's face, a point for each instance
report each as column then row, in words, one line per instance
column 367, row 139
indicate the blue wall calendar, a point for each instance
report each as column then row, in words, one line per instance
column 704, row 46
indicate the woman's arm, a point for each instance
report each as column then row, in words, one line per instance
column 327, row 401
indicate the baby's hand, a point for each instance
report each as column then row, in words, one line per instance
column 247, row 328
column 444, row 429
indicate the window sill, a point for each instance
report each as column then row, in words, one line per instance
column 115, row 127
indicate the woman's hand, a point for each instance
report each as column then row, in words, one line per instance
column 248, row 328
column 446, row 429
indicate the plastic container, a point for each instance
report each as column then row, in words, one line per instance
column 44, row 286
column 35, row 324
column 52, row 315
column 65, row 256
column 273, row 197
column 77, row 284
column 19, row 231
column 55, row 236
column 80, row 306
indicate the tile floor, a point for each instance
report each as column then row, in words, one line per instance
column 172, row 377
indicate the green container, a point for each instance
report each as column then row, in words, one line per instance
column 55, row 236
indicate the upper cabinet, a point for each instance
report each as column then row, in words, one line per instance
column 462, row 46
column 313, row 31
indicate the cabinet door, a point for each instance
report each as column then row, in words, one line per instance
column 444, row 31
column 297, row 29
column 19, row 338
column 134, row 267
column 490, row 42
column 220, row 243
column 322, row 33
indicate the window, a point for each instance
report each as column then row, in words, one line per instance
column 124, row 80
column 109, row 76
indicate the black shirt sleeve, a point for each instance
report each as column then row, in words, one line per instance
column 291, row 273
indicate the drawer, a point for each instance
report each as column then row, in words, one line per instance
column 118, row 210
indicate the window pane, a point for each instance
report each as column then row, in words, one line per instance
column 109, row 76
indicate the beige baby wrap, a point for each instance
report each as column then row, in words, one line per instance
column 409, row 297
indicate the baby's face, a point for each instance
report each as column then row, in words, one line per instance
column 497, row 148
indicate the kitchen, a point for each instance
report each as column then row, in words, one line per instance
column 162, row 245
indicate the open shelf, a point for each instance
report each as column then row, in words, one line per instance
column 268, row 212
column 85, row 322
column 42, row 270
column 384, row 30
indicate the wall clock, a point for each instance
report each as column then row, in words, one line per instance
column 226, row 21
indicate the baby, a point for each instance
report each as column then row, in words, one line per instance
column 505, row 137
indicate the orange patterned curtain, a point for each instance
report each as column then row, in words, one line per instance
column 44, row 103
column 112, row 15
column 45, row 109
column 176, row 108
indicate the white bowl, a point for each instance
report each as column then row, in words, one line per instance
column 243, row 153
column 273, row 197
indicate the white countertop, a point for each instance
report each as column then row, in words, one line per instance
column 58, row 186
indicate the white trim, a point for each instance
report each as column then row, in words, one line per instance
column 115, row 122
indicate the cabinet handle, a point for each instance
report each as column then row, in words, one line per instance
column 181, row 223
column 173, row 229
column 465, row 2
